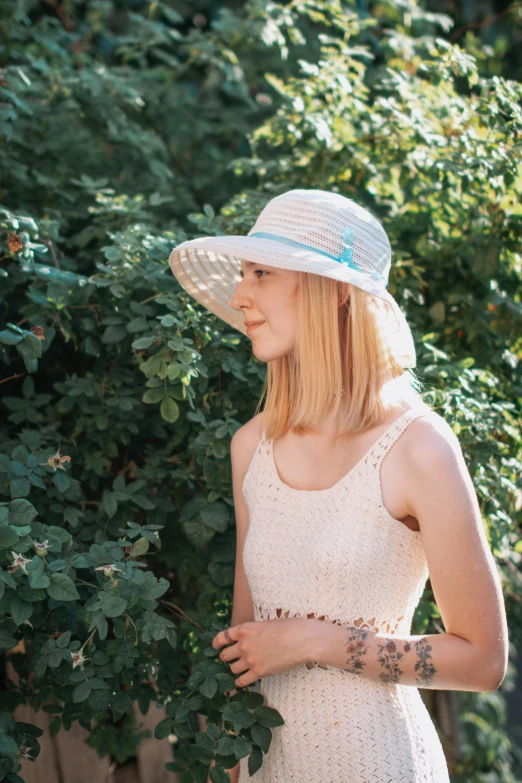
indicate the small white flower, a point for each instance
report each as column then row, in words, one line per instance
column 24, row 752
column 56, row 461
column 108, row 570
column 19, row 561
column 42, row 547
column 78, row 659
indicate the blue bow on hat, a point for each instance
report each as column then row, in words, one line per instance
column 346, row 256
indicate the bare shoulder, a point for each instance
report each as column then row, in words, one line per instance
column 430, row 441
column 244, row 443
column 434, row 466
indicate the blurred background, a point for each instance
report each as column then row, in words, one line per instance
column 127, row 127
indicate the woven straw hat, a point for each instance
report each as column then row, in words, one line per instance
column 311, row 231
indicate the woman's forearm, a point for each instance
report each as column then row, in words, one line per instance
column 437, row 661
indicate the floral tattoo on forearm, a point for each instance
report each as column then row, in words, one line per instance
column 389, row 657
column 355, row 648
column 423, row 666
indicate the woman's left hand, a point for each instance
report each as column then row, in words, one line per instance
column 265, row 647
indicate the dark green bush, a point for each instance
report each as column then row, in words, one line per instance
column 127, row 128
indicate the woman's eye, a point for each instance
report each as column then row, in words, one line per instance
column 260, row 270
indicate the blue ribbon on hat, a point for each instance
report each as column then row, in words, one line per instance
column 345, row 258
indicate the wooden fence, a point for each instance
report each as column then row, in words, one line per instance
column 66, row 758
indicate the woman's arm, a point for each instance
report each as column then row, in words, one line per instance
column 438, row 661
column 473, row 654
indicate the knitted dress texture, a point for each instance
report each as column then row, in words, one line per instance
column 338, row 554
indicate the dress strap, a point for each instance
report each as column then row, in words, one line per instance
column 383, row 444
column 250, row 479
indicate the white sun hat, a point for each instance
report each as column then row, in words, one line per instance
column 313, row 231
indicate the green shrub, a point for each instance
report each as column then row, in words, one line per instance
column 130, row 127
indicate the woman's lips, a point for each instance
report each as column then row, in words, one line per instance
column 254, row 326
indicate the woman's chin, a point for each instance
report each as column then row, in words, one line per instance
column 264, row 353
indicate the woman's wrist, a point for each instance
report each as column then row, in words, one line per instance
column 313, row 647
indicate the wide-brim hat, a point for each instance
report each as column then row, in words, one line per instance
column 313, row 231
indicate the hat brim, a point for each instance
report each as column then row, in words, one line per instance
column 208, row 269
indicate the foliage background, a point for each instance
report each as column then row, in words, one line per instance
column 128, row 127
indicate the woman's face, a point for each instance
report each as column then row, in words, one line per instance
column 268, row 294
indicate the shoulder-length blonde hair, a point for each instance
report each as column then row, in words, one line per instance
column 340, row 345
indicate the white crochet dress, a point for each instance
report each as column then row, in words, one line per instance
column 337, row 553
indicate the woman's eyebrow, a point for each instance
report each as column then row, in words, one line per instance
column 249, row 263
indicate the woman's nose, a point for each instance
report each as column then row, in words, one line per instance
column 241, row 295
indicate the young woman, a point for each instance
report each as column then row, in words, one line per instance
column 349, row 492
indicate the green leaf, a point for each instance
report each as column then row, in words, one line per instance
column 38, row 580
column 7, row 640
column 62, row 588
column 268, row 717
column 21, row 512
column 7, row 337
column 64, row 639
column 219, row 775
column 209, row 686
column 468, row 361
column 153, row 588
column 163, row 729
column 8, row 579
column 141, row 546
column 138, row 324
column 100, row 658
column 121, row 702
column 110, row 504
column 99, row 700
column 261, row 736
column 114, row 606
column 226, row 682
column 142, row 501
column 251, row 700
column 20, row 488
column 61, row 481
column 103, row 627
column 169, row 410
column 216, row 516
column 81, row 692
column 142, row 343
column 8, row 537
column 113, row 335
column 255, row 760
column 172, row 637
column 202, row 754
column 8, row 745
column 225, row 746
column 153, row 396
column 28, row 728
column 32, row 595
column 152, row 365
column 21, row 610
column 241, row 748
column 98, row 684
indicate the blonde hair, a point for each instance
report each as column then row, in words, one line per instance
column 338, row 347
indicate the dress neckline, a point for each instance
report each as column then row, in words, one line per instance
column 346, row 476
